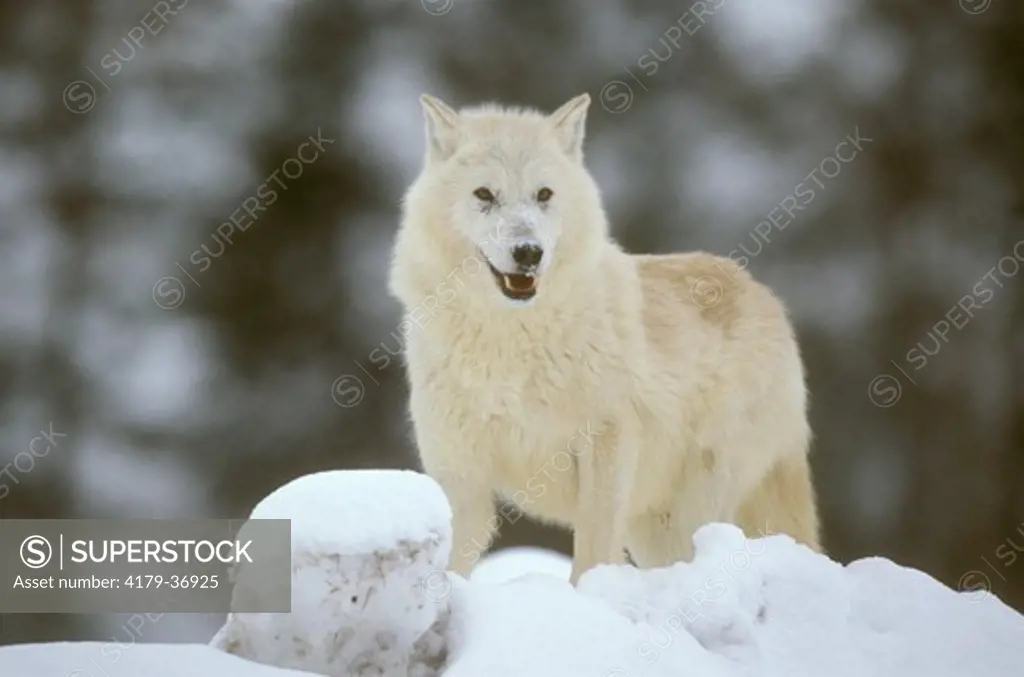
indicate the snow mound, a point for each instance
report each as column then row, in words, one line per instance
column 511, row 563
column 774, row 607
column 381, row 604
column 358, row 511
column 99, row 659
column 542, row 627
column 368, row 552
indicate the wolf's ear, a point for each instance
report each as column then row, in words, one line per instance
column 442, row 127
column 569, row 124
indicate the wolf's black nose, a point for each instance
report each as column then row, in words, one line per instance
column 527, row 255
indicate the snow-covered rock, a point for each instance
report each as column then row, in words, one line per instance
column 368, row 552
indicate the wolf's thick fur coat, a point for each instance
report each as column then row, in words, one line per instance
column 634, row 399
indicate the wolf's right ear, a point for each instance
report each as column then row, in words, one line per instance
column 569, row 123
column 442, row 127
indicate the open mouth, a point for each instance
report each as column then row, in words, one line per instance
column 515, row 286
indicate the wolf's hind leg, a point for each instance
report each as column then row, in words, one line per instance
column 659, row 540
column 783, row 503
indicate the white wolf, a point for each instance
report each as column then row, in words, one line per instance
column 671, row 387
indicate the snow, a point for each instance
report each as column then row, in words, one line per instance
column 367, row 545
column 556, row 632
column 358, row 511
column 761, row 607
column 511, row 563
column 773, row 607
column 106, row 659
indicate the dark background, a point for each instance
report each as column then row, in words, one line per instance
column 202, row 408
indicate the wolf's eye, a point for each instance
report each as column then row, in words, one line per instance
column 544, row 194
column 484, row 194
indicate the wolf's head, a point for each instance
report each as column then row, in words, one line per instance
column 508, row 187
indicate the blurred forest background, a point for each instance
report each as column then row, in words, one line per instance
column 172, row 383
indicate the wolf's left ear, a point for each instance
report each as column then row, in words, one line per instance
column 569, row 124
column 442, row 127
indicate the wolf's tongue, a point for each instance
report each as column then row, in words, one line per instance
column 519, row 282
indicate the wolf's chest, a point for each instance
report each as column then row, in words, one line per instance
column 516, row 406
column 507, row 396
column 540, row 378
column 511, row 383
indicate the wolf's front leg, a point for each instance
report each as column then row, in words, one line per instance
column 474, row 523
column 447, row 456
column 605, row 471
column 474, row 519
